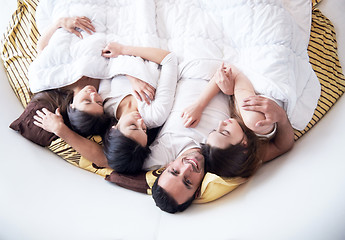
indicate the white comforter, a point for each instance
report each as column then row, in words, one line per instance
column 266, row 39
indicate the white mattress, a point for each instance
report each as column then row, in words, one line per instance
column 300, row 195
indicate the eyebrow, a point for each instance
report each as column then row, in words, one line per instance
column 214, row 130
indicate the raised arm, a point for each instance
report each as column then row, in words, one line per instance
column 284, row 138
column 243, row 89
column 115, row 49
column 192, row 114
column 69, row 24
column 159, row 109
column 54, row 123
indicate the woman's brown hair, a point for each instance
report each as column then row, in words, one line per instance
column 240, row 160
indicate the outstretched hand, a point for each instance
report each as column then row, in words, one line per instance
column 71, row 24
column 112, row 50
column 272, row 111
column 191, row 115
column 142, row 90
column 224, row 79
column 51, row 122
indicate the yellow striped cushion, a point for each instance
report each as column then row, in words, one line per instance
column 61, row 148
column 315, row 2
column 18, row 47
column 323, row 57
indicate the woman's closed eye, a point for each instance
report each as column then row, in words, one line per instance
column 225, row 132
column 133, row 126
column 88, row 101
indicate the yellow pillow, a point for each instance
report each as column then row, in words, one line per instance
column 212, row 187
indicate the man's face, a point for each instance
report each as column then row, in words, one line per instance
column 183, row 176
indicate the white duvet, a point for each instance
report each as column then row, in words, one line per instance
column 266, row 39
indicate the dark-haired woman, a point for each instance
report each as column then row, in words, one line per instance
column 125, row 144
column 228, row 131
column 84, row 109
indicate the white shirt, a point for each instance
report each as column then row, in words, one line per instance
column 174, row 138
column 155, row 114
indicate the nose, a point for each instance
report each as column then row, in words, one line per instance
column 221, row 125
column 186, row 169
column 141, row 122
column 93, row 95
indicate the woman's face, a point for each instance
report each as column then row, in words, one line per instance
column 132, row 126
column 228, row 132
column 88, row 100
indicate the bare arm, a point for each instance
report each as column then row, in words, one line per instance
column 243, row 88
column 68, row 23
column 284, row 138
column 54, row 123
column 192, row 114
column 115, row 49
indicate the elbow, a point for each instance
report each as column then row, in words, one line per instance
column 262, row 130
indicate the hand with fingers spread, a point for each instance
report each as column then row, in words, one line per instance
column 192, row 115
column 142, row 90
column 225, row 80
column 71, row 24
column 113, row 50
column 51, row 122
column 272, row 111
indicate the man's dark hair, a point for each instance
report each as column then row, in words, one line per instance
column 166, row 202
column 124, row 155
column 86, row 124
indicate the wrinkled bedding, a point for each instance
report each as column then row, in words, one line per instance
column 266, row 39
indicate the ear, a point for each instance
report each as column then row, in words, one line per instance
column 71, row 105
column 198, row 191
column 245, row 143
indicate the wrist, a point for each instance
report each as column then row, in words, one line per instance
column 59, row 23
column 126, row 50
column 60, row 130
column 270, row 134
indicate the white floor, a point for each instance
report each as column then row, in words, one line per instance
column 299, row 196
column 6, row 10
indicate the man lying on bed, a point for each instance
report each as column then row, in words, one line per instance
column 230, row 150
column 175, row 141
